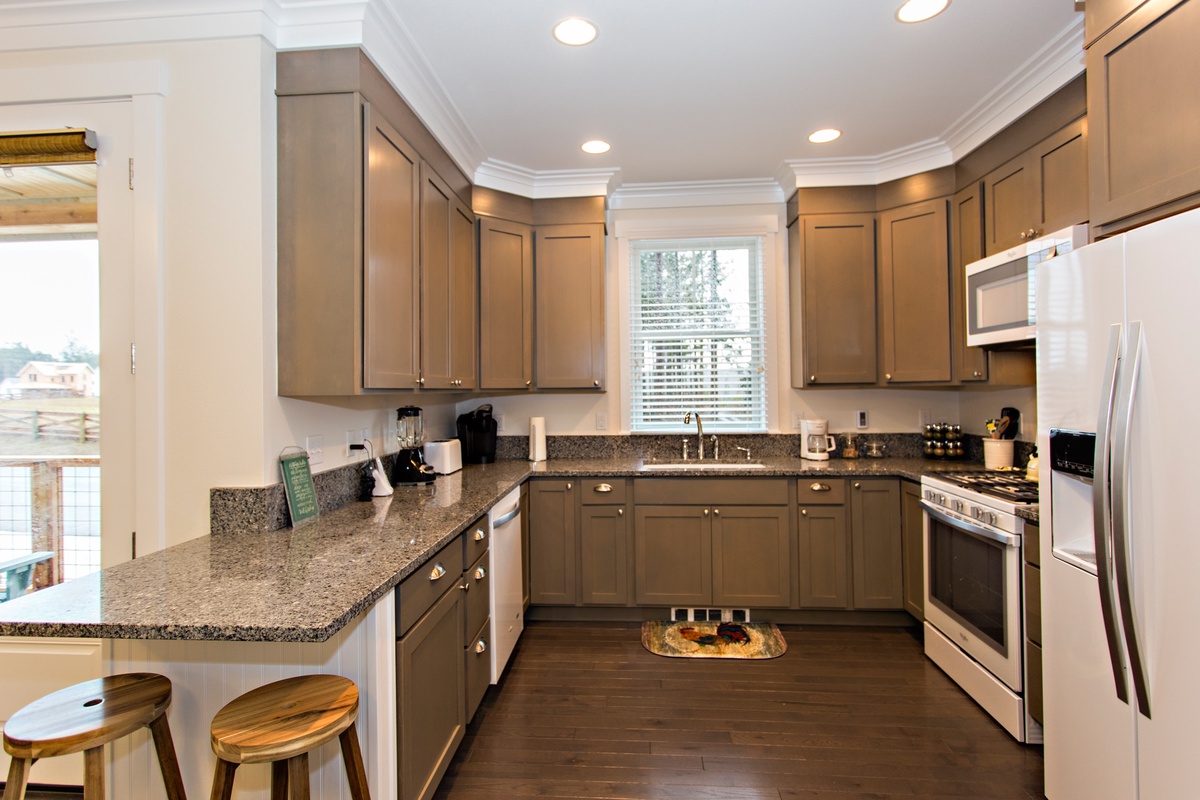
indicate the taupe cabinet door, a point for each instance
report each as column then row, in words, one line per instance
column 832, row 267
column 552, row 563
column 432, row 718
column 914, row 293
column 673, row 556
column 752, row 557
column 569, row 288
column 913, row 534
column 604, row 555
column 448, row 303
column 876, row 542
column 966, row 224
column 505, row 304
column 824, row 557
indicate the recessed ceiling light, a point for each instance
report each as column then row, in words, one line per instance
column 921, row 10
column 575, row 31
column 824, row 135
column 595, row 147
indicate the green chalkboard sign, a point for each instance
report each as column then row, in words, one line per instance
column 298, row 485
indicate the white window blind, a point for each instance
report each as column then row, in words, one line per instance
column 697, row 336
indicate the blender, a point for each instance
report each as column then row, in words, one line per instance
column 410, row 468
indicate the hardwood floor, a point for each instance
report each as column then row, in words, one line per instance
column 846, row 714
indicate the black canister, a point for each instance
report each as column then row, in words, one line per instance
column 477, row 432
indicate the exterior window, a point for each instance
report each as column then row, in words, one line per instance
column 697, row 335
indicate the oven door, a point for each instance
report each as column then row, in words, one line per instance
column 973, row 590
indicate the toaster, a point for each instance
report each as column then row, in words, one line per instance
column 444, row 455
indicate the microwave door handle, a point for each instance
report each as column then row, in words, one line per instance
column 1102, row 513
column 1120, row 513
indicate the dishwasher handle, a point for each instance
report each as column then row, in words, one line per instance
column 507, row 517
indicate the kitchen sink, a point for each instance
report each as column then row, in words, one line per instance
column 700, row 466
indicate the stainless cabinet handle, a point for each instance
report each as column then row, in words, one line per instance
column 857, row 485
column 716, row 512
column 602, row 488
column 1022, row 236
column 464, row 586
column 821, row 487
column 568, row 487
column 620, row 512
column 529, row 383
column 706, row 512
column 480, row 573
column 978, row 374
column 437, row 572
column 812, row 378
column 596, row 383
column 420, row 381
column 804, row 512
column 480, row 534
column 887, row 375
column 481, row 646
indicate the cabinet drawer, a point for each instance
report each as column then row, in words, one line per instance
column 479, row 668
column 602, row 492
column 710, row 491
column 475, row 540
column 419, row 591
column 821, row 491
column 478, row 592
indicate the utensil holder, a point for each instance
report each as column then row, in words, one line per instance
column 997, row 453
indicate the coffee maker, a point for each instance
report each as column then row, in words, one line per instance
column 815, row 441
column 410, row 468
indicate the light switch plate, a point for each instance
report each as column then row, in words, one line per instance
column 315, row 445
column 861, row 419
column 601, row 421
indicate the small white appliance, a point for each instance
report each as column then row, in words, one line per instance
column 508, row 596
column 815, row 441
column 444, row 455
column 1116, row 388
column 1002, row 289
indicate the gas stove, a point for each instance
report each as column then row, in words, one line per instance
column 986, row 497
column 1012, row 487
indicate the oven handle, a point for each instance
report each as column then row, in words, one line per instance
column 979, row 532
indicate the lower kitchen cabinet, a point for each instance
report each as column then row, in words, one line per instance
column 912, row 528
column 604, row 556
column 876, row 543
column 673, row 556
column 751, row 557
column 824, row 557
column 1031, row 549
column 552, row 556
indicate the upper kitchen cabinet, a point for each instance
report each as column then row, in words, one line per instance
column 449, row 312
column 568, row 266
column 1144, row 103
column 505, row 304
column 914, row 293
column 970, row 364
column 1043, row 189
column 351, row 156
column 832, row 276
column 1099, row 16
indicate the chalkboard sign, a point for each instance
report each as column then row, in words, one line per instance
column 298, row 485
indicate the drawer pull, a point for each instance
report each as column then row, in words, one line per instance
column 620, row 512
column 857, row 485
column 480, row 534
column 568, row 487
column 821, row 487
column 804, row 512
column 716, row 512
column 437, row 572
column 464, row 586
column 706, row 512
column 602, row 488
column 480, row 573
column 481, row 646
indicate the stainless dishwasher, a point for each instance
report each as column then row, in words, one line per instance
column 508, row 613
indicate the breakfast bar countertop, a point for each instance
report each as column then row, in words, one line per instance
column 305, row 584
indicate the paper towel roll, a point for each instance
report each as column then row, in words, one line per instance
column 537, row 438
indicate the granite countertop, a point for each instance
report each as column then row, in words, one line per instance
column 305, row 584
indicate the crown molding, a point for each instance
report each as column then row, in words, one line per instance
column 683, row 194
column 802, row 173
column 540, row 184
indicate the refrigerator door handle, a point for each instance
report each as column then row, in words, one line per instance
column 1101, row 513
column 1120, row 513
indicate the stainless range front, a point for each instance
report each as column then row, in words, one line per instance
column 973, row 589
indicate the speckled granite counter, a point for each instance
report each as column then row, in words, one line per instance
column 305, row 584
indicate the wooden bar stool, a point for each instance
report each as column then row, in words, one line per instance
column 281, row 723
column 85, row 717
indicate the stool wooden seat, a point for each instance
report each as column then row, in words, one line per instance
column 85, row 717
column 282, row 722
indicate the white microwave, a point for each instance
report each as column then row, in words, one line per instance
column 1001, row 289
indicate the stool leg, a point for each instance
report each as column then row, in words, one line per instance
column 223, row 780
column 298, row 776
column 356, row 773
column 167, row 761
column 18, row 776
column 93, row 774
column 279, row 780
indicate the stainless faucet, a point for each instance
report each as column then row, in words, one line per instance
column 699, row 430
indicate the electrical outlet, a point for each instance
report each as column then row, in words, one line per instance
column 601, row 421
column 924, row 417
column 364, row 435
column 351, row 438
column 315, row 445
column 499, row 423
column 861, row 419
column 796, row 417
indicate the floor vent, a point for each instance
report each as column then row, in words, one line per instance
column 710, row 614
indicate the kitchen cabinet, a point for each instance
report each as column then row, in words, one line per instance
column 912, row 533
column 1099, row 16
column 970, row 364
column 876, row 546
column 477, row 611
column 914, row 293
column 552, row 552
column 831, row 264
column 1039, row 191
column 505, row 304
column 673, row 556
column 1031, row 550
column 824, row 544
column 449, row 309
column 568, row 269
column 1144, row 100
column 604, row 543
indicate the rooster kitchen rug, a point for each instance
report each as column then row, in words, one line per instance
column 713, row 639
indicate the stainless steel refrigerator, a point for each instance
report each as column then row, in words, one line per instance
column 1118, row 350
